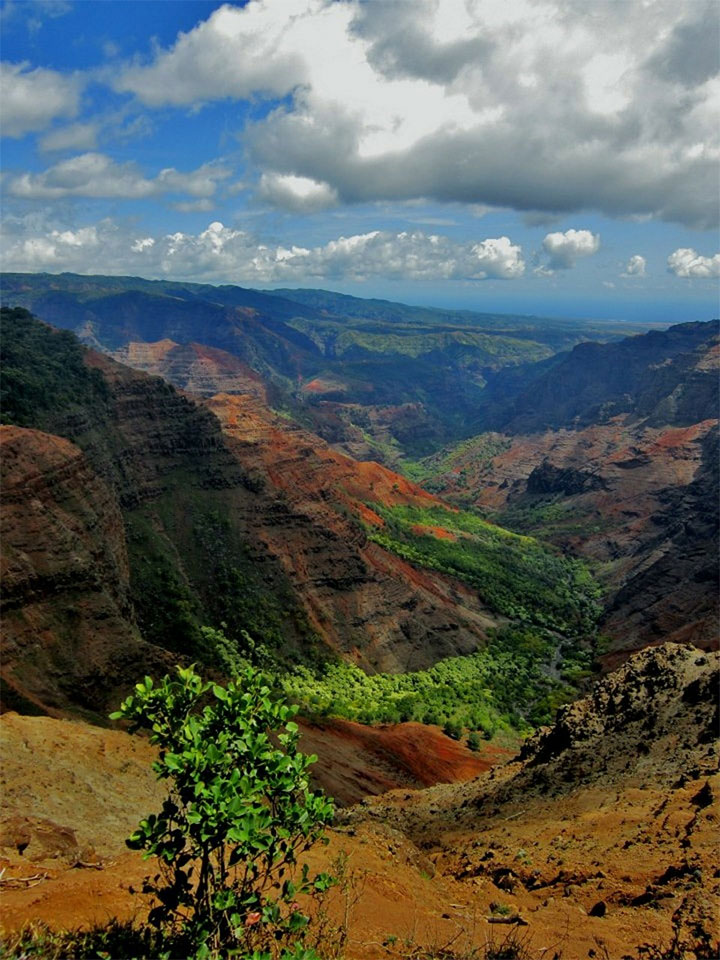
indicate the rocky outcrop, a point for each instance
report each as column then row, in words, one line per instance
column 656, row 716
column 547, row 478
column 604, row 830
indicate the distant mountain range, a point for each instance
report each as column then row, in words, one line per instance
column 386, row 379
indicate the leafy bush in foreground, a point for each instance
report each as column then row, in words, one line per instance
column 239, row 812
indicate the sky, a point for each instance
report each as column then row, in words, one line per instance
column 551, row 157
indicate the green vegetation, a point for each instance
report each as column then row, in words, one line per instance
column 43, row 373
column 239, row 813
column 114, row 938
column 549, row 517
column 517, row 682
column 527, row 670
column 190, row 567
column 514, row 575
column 432, row 470
column 242, row 594
column 338, row 339
column 473, row 741
column 168, row 611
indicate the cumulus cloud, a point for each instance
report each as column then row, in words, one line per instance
column 227, row 56
column 686, row 262
column 535, row 106
column 564, row 249
column 299, row 194
column 498, row 258
column 635, row 267
column 223, row 253
column 97, row 175
column 32, row 99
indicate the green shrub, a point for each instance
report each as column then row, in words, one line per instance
column 238, row 814
column 453, row 730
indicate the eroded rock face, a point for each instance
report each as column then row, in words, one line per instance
column 636, row 491
column 368, row 603
column 194, row 367
column 547, row 478
column 661, row 376
column 39, row 839
column 68, row 621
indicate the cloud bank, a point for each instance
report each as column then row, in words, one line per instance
column 97, row 175
column 549, row 105
column 223, row 253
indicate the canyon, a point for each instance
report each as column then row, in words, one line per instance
column 292, row 484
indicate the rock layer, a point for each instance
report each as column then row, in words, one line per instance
column 68, row 622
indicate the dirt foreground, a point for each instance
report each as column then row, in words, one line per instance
column 601, row 839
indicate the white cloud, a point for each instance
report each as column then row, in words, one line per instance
column 686, row 262
column 222, row 253
column 32, row 99
column 76, row 136
column 300, row 194
column 97, row 175
column 204, row 205
column 564, row 249
column 498, row 258
column 635, row 267
column 226, row 56
column 537, row 106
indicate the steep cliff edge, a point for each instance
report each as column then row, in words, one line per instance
column 70, row 635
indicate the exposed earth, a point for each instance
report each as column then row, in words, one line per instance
column 598, row 839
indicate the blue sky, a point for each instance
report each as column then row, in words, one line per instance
column 539, row 156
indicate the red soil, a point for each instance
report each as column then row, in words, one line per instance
column 439, row 532
column 356, row 761
column 317, row 386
